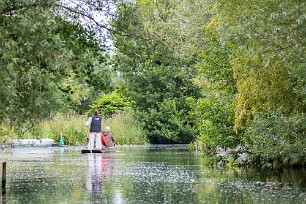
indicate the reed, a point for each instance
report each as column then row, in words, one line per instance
column 126, row 129
column 70, row 125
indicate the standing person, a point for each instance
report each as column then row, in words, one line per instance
column 95, row 123
column 109, row 138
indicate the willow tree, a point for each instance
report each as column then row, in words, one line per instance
column 49, row 61
column 269, row 66
column 30, row 60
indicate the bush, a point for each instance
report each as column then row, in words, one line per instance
column 169, row 122
column 277, row 139
column 215, row 122
column 110, row 104
column 7, row 131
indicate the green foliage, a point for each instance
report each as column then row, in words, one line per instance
column 28, row 50
column 71, row 126
column 7, row 132
column 215, row 110
column 268, row 60
column 169, row 122
column 269, row 69
column 91, row 73
column 110, row 104
column 277, row 138
column 126, row 128
column 157, row 77
column 47, row 62
column 216, row 123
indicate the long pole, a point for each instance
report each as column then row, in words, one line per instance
column 3, row 176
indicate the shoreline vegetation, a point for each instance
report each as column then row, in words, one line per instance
column 72, row 127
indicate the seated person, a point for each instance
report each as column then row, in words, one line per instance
column 109, row 138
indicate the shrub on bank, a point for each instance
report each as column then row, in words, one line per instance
column 277, row 140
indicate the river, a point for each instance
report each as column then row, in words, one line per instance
column 140, row 174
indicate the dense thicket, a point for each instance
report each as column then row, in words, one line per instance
column 157, row 77
column 269, row 66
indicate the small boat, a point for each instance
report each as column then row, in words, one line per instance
column 102, row 150
column 33, row 142
column 58, row 145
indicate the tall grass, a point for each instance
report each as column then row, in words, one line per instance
column 7, row 131
column 126, row 129
column 71, row 126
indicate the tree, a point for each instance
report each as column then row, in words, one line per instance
column 157, row 77
column 89, row 64
column 215, row 110
column 48, row 62
column 29, row 52
column 268, row 63
column 269, row 66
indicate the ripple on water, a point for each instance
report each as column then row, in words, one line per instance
column 153, row 175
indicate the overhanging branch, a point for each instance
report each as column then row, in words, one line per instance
column 88, row 16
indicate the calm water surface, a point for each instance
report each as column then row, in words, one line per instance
column 153, row 174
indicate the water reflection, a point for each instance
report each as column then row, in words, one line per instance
column 62, row 151
column 141, row 175
column 3, row 196
column 99, row 169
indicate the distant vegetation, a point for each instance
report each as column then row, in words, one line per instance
column 126, row 129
